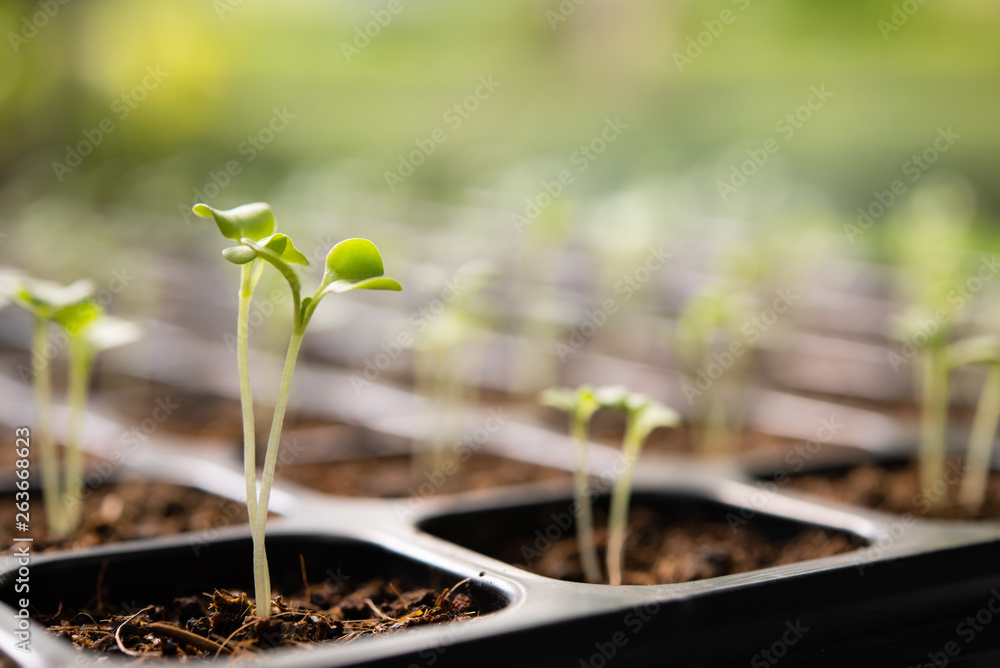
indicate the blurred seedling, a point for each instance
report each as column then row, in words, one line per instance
column 442, row 364
column 932, row 262
column 715, row 352
column 643, row 415
column 980, row 350
column 88, row 331
column 352, row 264
column 580, row 405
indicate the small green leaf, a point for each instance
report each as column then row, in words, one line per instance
column 282, row 245
column 76, row 317
column 983, row 349
column 562, row 398
column 239, row 254
column 613, row 396
column 652, row 415
column 45, row 298
column 353, row 263
column 366, row 284
column 110, row 332
column 255, row 221
column 579, row 403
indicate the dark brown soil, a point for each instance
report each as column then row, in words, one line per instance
column 692, row 550
column 146, row 405
column 392, row 476
column 896, row 489
column 679, row 542
column 224, row 623
column 125, row 511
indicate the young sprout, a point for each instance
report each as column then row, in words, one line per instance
column 643, row 415
column 933, row 261
column 979, row 350
column 580, row 405
column 709, row 336
column 933, row 373
column 88, row 331
column 87, row 337
column 439, row 362
column 352, row 264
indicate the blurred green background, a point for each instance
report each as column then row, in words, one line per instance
column 163, row 95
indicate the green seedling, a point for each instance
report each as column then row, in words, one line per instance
column 441, row 358
column 353, row 264
column 580, row 405
column 933, row 374
column 643, row 415
column 709, row 336
column 983, row 350
column 89, row 331
column 932, row 261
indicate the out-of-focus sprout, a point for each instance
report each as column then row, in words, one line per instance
column 643, row 415
column 932, row 259
column 580, row 405
column 715, row 353
column 983, row 350
column 89, row 330
column 441, row 363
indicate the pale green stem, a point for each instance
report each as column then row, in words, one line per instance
column 247, row 284
column 584, row 514
column 716, row 438
column 262, row 580
column 424, row 382
column 80, row 359
column 451, row 403
column 620, row 496
column 47, row 450
column 934, row 414
column 984, row 427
